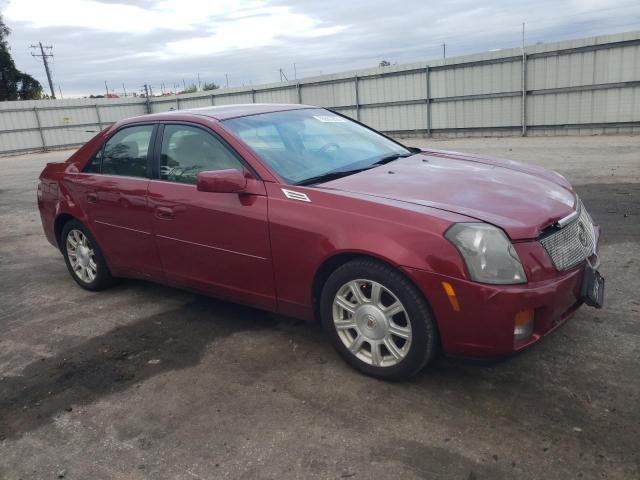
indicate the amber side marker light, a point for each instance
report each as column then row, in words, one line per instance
column 523, row 325
column 451, row 293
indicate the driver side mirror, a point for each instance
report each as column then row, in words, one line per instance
column 221, row 181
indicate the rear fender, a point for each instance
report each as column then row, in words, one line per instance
column 66, row 207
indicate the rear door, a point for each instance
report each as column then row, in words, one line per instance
column 113, row 192
column 214, row 242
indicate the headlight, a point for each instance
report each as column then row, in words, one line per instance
column 488, row 253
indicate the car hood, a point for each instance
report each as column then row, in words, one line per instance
column 521, row 199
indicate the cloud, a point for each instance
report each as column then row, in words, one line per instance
column 263, row 27
column 165, row 41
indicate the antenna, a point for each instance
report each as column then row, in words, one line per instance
column 45, row 57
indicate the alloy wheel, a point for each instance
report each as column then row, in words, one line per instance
column 372, row 322
column 81, row 256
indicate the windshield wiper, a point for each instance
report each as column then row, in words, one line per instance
column 325, row 177
column 391, row 158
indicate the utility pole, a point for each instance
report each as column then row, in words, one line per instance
column 199, row 84
column 106, row 87
column 60, row 90
column 295, row 73
column 146, row 98
column 524, row 87
column 226, row 76
column 184, row 85
column 444, row 50
column 45, row 57
column 125, row 90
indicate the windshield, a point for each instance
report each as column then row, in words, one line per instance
column 309, row 143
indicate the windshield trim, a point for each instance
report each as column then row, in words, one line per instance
column 256, row 114
column 370, row 128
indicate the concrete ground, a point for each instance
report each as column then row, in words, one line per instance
column 144, row 381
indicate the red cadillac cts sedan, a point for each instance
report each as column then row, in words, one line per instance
column 399, row 252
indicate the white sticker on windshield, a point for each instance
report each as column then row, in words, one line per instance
column 329, row 118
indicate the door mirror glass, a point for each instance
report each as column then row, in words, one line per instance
column 222, row 181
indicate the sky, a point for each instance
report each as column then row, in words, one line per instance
column 170, row 42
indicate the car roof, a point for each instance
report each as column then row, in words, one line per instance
column 224, row 112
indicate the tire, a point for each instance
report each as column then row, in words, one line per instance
column 87, row 267
column 369, row 330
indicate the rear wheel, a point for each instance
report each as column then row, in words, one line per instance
column 84, row 258
column 377, row 320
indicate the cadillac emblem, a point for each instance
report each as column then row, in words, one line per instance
column 582, row 234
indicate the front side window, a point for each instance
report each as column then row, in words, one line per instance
column 187, row 151
column 126, row 152
column 307, row 143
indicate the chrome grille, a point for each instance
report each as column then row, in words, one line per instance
column 568, row 246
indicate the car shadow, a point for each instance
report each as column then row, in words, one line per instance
column 116, row 360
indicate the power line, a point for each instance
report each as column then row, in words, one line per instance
column 45, row 57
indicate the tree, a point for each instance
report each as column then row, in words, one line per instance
column 385, row 63
column 190, row 89
column 14, row 84
column 210, row 86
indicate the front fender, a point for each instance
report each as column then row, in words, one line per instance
column 305, row 235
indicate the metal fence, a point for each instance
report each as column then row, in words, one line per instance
column 586, row 86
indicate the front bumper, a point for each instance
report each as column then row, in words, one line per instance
column 483, row 323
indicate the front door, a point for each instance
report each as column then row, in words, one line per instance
column 113, row 192
column 214, row 242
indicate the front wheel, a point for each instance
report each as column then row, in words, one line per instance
column 378, row 320
column 84, row 258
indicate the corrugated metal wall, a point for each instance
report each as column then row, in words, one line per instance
column 585, row 86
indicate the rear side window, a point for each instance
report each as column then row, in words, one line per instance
column 126, row 153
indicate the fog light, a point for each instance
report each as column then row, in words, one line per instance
column 523, row 325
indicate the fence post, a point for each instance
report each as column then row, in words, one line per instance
column 148, row 104
column 524, row 93
column 177, row 103
column 44, row 144
column 253, row 96
column 355, row 78
column 428, row 99
column 213, row 102
column 98, row 115
column 299, row 92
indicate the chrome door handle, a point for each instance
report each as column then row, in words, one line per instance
column 92, row 197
